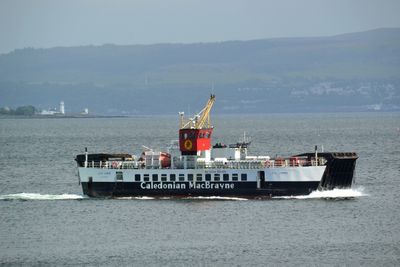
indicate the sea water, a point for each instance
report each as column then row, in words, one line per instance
column 45, row 219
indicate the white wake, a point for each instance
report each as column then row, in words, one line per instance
column 35, row 196
column 330, row 194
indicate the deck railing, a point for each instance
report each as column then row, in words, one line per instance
column 242, row 164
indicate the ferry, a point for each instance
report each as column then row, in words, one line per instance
column 193, row 167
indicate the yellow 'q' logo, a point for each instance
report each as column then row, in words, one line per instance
column 188, row 145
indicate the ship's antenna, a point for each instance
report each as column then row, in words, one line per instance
column 147, row 148
column 181, row 114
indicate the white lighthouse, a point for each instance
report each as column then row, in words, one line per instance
column 62, row 108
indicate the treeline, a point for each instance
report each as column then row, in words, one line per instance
column 24, row 110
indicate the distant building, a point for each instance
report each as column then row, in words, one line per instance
column 62, row 108
column 85, row 111
column 49, row 112
column 54, row 111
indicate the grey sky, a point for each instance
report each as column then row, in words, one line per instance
column 49, row 23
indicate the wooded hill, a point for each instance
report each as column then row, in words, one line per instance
column 349, row 72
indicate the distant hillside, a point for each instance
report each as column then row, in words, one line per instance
column 356, row 71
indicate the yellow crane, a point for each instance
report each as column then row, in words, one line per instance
column 200, row 120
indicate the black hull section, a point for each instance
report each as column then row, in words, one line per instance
column 339, row 172
column 240, row 189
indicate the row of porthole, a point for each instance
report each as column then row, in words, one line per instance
column 190, row 177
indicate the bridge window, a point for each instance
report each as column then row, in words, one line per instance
column 216, row 177
column 243, row 176
column 163, row 177
column 181, row 177
column 208, row 177
column 199, row 177
column 190, row 177
column 146, row 177
column 172, row 177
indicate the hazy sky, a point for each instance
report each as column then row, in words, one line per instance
column 49, row 23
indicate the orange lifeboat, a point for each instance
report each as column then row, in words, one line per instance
column 165, row 160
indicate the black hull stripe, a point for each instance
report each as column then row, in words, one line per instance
column 239, row 189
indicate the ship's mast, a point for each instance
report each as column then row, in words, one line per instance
column 202, row 119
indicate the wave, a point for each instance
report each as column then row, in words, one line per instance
column 329, row 194
column 35, row 196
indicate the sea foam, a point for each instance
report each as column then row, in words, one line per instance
column 329, row 194
column 36, row 196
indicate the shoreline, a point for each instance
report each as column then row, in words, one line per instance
column 60, row 116
column 79, row 116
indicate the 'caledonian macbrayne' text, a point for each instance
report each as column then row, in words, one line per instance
column 189, row 185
